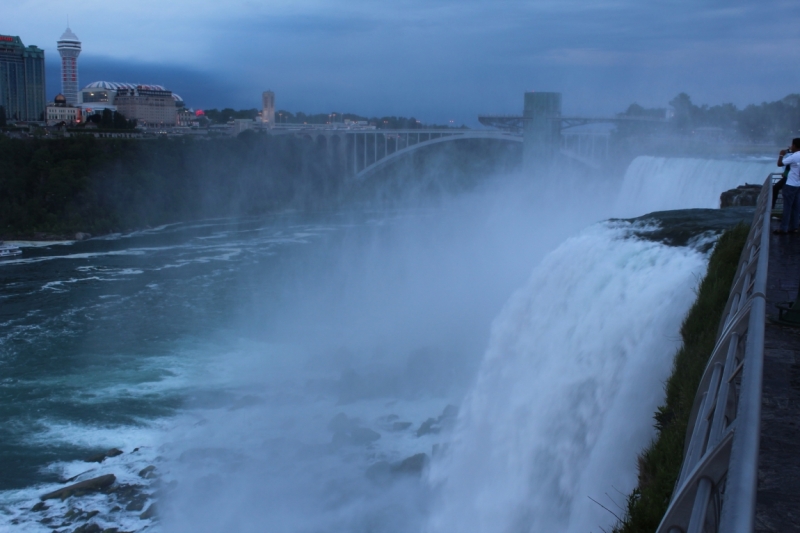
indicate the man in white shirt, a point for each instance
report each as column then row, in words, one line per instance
column 791, row 199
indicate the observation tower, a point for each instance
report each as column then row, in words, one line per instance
column 69, row 47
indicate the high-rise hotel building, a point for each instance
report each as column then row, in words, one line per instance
column 22, row 81
column 69, row 48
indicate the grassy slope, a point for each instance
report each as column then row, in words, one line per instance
column 659, row 464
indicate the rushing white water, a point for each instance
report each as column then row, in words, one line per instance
column 564, row 398
column 659, row 183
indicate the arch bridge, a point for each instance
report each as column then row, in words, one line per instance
column 372, row 149
column 365, row 150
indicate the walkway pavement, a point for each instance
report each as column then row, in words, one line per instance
column 778, row 498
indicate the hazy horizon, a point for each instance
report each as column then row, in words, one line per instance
column 436, row 61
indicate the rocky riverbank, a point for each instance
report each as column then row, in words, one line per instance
column 119, row 491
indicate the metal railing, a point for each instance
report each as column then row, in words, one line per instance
column 716, row 488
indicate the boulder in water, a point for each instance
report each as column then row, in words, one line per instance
column 413, row 465
column 90, row 485
column 88, row 528
column 348, row 431
column 100, row 457
column 150, row 512
column 742, row 196
column 433, row 426
column 147, row 472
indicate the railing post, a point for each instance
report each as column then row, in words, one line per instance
column 722, row 452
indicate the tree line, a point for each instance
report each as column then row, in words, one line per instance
column 766, row 122
column 282, row 116
column 81, row 183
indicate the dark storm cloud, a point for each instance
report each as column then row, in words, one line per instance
column 445, row 58
column 448, row 59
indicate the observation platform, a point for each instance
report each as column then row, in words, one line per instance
column 778, row 495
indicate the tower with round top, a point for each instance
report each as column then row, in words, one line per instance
column 69, row 47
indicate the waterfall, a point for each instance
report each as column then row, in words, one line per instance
column 548, row 437
column 564, row 398
column 658, row 183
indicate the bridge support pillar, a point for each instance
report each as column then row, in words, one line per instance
column 542, row 128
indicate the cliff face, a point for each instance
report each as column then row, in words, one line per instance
column 743, row 195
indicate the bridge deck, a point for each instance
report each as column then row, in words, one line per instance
column 778, row 498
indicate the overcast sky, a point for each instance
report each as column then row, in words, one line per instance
column 437, row 60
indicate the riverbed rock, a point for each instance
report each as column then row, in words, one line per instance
column 147, row 472
column 88, row 528
column 150, row 512
column 83, row 487
column 100, row 457
column 401, row 426
column 743, row 195
column 433, row 426
column 81, row 236
column 356, row 436
column 413, row 465
column 349, row 431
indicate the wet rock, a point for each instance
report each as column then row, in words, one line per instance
column 147, row 472
column 73, row 514
column 81, row 236
column 88, row 528
column 73, row 478
column 90, row 485
column 413, row 465
column 132, row 497
column 384, row 473
column 41, row 506
column 439, row 449
column 137, row 503
column 357, row 436
column 401, row 426
column 100, row 457
column 433, row 426
column 149, row 513
column 429, row 427
column 450, row 412
column 743, row 195
column 348, row 431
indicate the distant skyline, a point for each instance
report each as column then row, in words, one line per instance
column 437, row 60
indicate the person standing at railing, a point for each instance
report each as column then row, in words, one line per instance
column 791, row 200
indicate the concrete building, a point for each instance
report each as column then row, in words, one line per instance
column 542, row 127
column 69, row 48
column 268, row 108
column 149, row 105
column 61, row 111
column 22, row 81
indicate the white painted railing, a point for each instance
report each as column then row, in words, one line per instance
column 716, row 489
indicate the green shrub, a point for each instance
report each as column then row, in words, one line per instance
column 660, row 463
